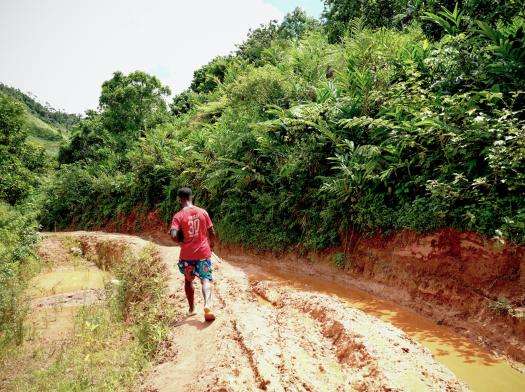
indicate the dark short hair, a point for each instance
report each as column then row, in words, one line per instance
column 184, row 193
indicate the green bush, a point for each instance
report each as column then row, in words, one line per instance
column 384, row 131
column 143, row 298
column 21, row 164
column 17, row 263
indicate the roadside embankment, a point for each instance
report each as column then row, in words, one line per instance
column 474, row 285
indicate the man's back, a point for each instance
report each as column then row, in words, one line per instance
column 194, row 222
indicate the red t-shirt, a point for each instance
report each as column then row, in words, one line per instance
column 194, row 223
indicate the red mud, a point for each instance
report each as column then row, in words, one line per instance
column 449, row 276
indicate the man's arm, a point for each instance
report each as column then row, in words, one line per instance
column 177, row 235
column 211, row 237
column 176, row 230
column 210, row 229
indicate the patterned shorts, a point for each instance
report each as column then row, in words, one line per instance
column 193, row 268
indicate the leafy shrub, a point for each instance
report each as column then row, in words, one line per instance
column 208, row 77
column 143, row 298
column 384, row 131
column 339, row 260
column 262, row 86
column 21, row 164
column 17, row 263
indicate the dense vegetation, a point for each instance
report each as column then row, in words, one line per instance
column 386, row 115
column 22, row 169
column 45, row 127
column 304, row 134
column 400, row 14
column 46, row 113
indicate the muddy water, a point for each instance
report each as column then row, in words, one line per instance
column 67, row 279
column 470, row 362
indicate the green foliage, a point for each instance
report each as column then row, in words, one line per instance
column 17, row 262
column 42, row 133
column 258, row 40
column 508, row 44
column 260, row 88
column 22, row 168
column 132, row 103
column 208, row 77
column 11, row 122
column 89, row 141
column 100, row 356
column 47, row 114
column 435, row 16
column 21, row 164
column 376, row 13
column 296, row 141
column 143, row 298
column 339, row 260
column 451, row 21
column 294, row 26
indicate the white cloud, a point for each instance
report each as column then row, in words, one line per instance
column 62, row 50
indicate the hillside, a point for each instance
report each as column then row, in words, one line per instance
column 47, row 127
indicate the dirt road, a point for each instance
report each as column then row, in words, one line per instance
column 271, row 336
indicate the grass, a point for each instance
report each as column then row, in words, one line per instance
column 101, row 347
column 98, row 355
column 44, row 134
column 18, row 265
column 339, row 260
column 143, row 299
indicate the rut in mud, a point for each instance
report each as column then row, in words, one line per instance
column 279, row 332
column 274, row 337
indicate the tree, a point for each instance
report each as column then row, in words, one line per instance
column 87, row 141
column 374, row 13
column 296, row 24
column 209, row 76
column 20, row 163
column 183, row 102
column 11, row 122
column 258, row 40
column 132, row 103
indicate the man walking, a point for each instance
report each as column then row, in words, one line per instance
column 192, row 228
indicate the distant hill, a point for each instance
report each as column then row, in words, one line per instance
column 47, row 126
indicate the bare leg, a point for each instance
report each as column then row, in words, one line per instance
column 190, row 294
column 206, row 292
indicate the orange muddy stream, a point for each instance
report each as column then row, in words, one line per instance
column 471, row 363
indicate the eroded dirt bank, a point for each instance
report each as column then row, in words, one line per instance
column 457, row 279
column 463, row 280
column 272, row 336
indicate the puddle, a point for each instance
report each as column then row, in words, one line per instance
column 67, row 280
column 480, row 370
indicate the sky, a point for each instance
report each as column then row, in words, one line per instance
column 63, row 50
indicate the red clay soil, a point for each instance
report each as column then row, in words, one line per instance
column 451, row 276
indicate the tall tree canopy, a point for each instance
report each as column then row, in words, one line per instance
column 133, row 103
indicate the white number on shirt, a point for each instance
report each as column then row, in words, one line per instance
column 194, row 226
